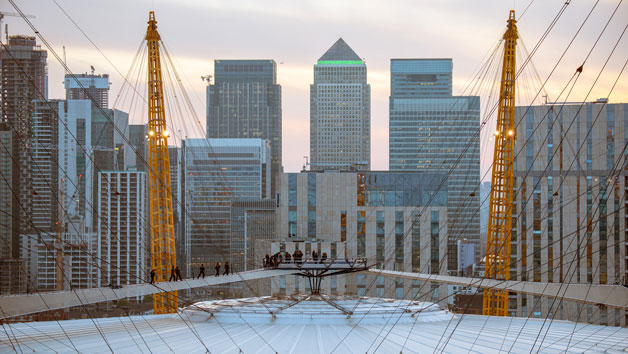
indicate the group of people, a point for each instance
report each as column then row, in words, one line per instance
column 175, row 272
column 217, row 268
column 285, row 257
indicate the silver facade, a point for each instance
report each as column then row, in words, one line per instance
column 570, row 217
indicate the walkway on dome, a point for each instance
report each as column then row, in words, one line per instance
column 17, row 305
column 597, row 294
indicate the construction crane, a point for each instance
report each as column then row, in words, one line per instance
column 2, row 14
column 497, row 263
column 163, row 255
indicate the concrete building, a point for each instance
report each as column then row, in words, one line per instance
column 109, row 130
column 217, row 171
column 12, row 268
column 252, row 220
column 135, row 158
column 381, row 216
column 431, row 130
column 62, row 193
column 44, row 188
column 340, row 112
column 22, row 58
column 123, row 239
column 174, row 156
column 88, row 87
column 76, row 171
column 245, row 102
column 570, row 216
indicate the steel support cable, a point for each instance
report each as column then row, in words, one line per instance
column 18, row 135
column 597, row 116
column 67, row 69
column 15, row 195
column 580, row 108
column 527, row 7
column 63, row 64
column 64, row 276
column 170, row 82
column 572, row 41
column 484, row 73
column 80, row 235
column 190, row 107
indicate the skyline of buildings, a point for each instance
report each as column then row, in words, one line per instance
column 225, row 186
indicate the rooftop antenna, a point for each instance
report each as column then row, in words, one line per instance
column 307, row 163
column 65, row 62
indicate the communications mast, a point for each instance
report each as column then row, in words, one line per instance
column 163, row 255
column 497, row 264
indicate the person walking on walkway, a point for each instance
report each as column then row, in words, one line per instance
column 172, row 274
column 226, row 268
column 177, row 272
column 217, row 268
column 152, row 276
column 202, row 271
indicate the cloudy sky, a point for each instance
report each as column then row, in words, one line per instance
column 295, row 33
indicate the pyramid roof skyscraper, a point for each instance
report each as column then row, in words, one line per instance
column 340, row 51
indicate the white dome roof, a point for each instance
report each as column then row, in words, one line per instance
column 343, row 325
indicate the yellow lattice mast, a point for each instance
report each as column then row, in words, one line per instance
column 160, row 200
column 502, row 179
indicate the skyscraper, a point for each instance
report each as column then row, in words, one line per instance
column 217, row 171
column 122, row 227
column 245, row 102
column 431, row 130
column 24, row 78
column 340, row 111
column 87, row 86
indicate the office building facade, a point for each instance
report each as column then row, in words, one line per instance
column 245, row 102
column 383, row 217
column 570, row 196
column 217, row 171
column 431, row 130
column 340, row 112
column 123, row 228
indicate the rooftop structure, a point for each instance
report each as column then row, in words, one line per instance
column 314, row 324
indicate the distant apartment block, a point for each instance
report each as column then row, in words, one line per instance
column 570, row 217
column 123, row 230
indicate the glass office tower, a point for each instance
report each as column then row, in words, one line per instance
column 431, row 130
column 245, row 102
column 340, row 112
